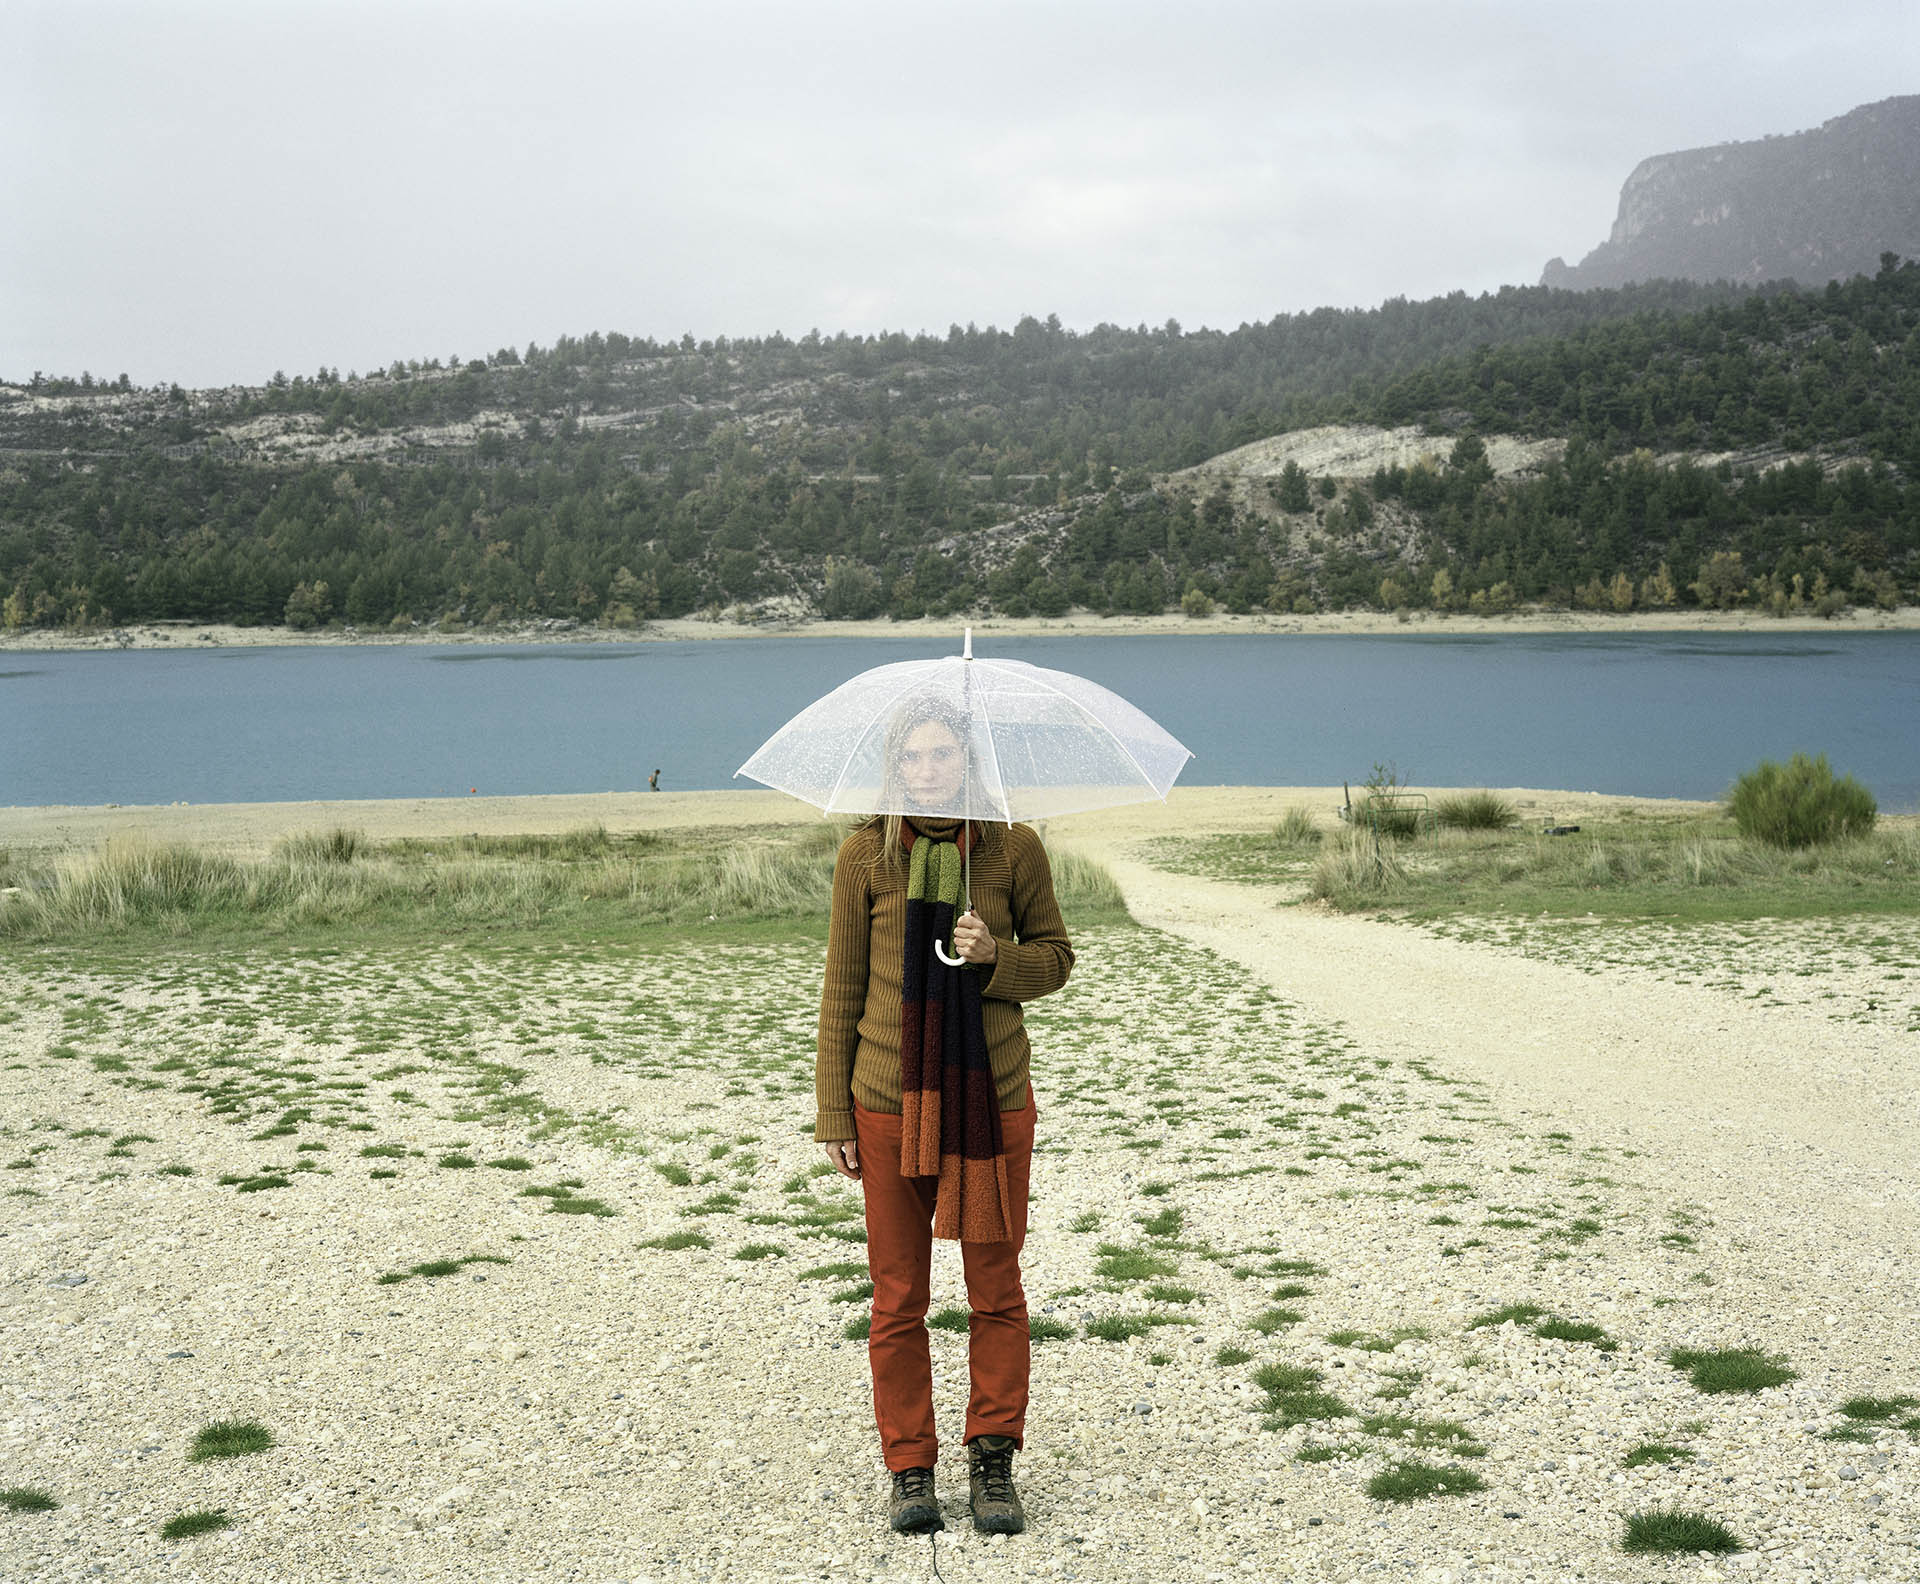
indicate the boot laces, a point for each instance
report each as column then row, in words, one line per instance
column 912, row 1484
column 996, row 1474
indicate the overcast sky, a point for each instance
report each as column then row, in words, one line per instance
column 207, row 193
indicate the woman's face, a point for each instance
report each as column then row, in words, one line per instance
column 931, row 765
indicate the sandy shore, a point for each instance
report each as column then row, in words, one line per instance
column 251, row 828
column 942, row 631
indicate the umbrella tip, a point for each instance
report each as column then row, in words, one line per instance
column 966, row 650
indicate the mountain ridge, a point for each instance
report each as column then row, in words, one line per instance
column 1810, row 206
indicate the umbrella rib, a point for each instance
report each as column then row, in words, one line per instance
column 1162, row 796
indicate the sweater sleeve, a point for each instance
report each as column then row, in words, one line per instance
column 843, row 996
column 1039, row 959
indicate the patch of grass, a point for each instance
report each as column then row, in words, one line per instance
column 1169, row 1292
column 1117, row 1328
column 382, row 1172
column 1877, row 1410
column 384, row 1152
column 512, row 1163
column 1444, row 1435
column 844, row 1270
column 1484, row 811
column 228, row 1438
column 1656, row 1452
column 441, row 1267
column 1292, row 1290
column 1731, row 1369
column 1043, row 1329
column 1413, row 1481
column 457, row 1162
column 201, row 1521
column 1166, row 1224
column 1231, row 1355
column 1122, row 1264
column 175, row 1170
column 1293, row 1396
column 1575, row 1331
column 1088, row 1222
column 27, row 1498
column 758, row 1251
column 1669, row 1532
column 679, row 1240
column 573, row 1204
column 1368, row 1342
column 1295, row 1267
column 259, row 1184
column 950, row 1319
column 1298, row 828
column 1270, row 1320
column 858, row 1328
column 1695, row 870
column 674, row 1173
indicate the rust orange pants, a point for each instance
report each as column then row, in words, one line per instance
column 900, row 1256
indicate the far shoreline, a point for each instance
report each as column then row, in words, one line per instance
column 179, row 635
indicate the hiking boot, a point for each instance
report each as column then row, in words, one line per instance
column 913, row 1509
column 996, row 1504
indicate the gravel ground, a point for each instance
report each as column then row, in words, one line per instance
column 1383, row 1135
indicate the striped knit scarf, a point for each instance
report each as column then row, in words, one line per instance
column 949, row 1110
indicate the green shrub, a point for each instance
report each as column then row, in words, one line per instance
column 1413, row 1481
column 1477, row 811
column 1675, row 1534
column 1731, row 1369
column 1800, row 804
column 1353, row 868
column 335, row 846
column 226, row 1438
column 27, row 1498
column 188, row 1524
column 1297, row 828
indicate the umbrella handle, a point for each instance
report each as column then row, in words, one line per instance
column 940, row 951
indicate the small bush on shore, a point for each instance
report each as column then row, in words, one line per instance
column 1800, row 804
column 1353, row 870
column 27, row 1498
column 337, row 846
column 1477, row 811
column 1297, row 828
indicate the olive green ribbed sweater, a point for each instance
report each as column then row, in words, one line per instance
column 859, row 1050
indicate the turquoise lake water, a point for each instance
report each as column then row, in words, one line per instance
column 1674, row 715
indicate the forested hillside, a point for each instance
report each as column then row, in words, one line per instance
column 1721, row 446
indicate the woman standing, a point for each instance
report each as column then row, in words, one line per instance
column 923, row 1096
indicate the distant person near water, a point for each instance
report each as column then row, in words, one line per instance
column 892, row 1073
column 654, row 780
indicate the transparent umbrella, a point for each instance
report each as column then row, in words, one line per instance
column 1032, row 743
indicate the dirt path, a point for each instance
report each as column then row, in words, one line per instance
column 1799, row 1126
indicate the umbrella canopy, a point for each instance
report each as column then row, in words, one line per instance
column 1032, row 742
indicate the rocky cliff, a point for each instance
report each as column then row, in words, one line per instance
column 1813, row 206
